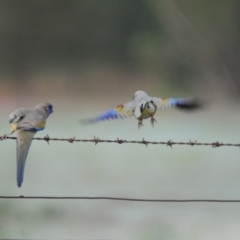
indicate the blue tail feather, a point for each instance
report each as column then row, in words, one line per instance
column 24, row 140
column 20, row 172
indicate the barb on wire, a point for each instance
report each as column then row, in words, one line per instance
column 169, row 143
column 46, row 138
column 71, row 140
column 123, row 199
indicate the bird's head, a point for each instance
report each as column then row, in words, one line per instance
column 139, row 94
column 47, row 107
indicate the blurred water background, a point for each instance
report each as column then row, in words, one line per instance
column 88, row 56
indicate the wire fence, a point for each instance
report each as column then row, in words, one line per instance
column 169, row 143
column 21, row 197
column 97, row 140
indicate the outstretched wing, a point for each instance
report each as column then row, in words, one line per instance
column 181, row 103
column 120, row 112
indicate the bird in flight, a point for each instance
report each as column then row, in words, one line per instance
column 144, row 106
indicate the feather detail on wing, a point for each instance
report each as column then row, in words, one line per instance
column 31, row 126
column 181, row 103
column 120, row 112
column 29, row 119
column 17, row 115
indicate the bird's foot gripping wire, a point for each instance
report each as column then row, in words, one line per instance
column 140, row 124
column 4, row 136
column 153, row 120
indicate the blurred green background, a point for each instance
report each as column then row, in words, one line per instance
column 88, row 56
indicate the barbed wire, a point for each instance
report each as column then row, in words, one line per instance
column 123, row 199
column 169, row 143
column 97, row 140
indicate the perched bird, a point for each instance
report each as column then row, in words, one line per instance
column 143, row 106
column 26, row 122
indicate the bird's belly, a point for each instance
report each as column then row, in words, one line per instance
column 147, row 113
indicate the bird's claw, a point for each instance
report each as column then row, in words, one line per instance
column 3, row 136
column 140, row 124
column 153, row 120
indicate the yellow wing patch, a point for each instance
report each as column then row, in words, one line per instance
column 41, row 124
column 13, row 127
column 122, row 110
column 119, row 108
column 164, row 103
column 165, row 100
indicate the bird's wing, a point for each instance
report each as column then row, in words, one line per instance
column 120, row 112
column 35, row 120
column 24, row 140
column 17, row 115
column 30, row 119
column 181, row 103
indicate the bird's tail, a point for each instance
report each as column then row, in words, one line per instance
column 24, row 140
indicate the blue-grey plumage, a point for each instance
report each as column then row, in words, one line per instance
column 144, row 106
column 26, row 122
column 24, row 140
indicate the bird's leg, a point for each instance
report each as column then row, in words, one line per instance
column 140, row 124
column 153, row 120
column 4, row 136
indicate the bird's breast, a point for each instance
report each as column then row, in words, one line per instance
column 147, row 113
